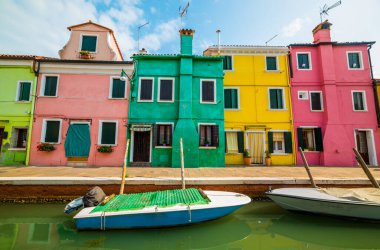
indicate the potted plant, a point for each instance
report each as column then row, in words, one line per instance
column 267, row 158
column 164, row 143
column 207, row 143
column 105, row 149
column 247, row 158
column 84, row 54
column 46, row 147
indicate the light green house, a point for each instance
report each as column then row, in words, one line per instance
column 17, row 85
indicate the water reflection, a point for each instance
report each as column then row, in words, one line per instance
column 257, row 226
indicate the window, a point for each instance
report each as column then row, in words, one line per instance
column 227, row 63
column 271, row 63
column 208, row 135
column 89, row 43
column 276, row 98
column 146, row 90
column 303, row 95
column 19, row 137
column 49, row 86
column 164, row 135
column 51, row 131
column 359, row 101
column 117, row 88
column 234, row 142
column 23, row 91
column 231, row 98
column 303, row 61
column 354, row 60
column 280, row 142
column 316, row 103
column 208, row 91
column 166, row 90
column 108, row 133
column 310, row 139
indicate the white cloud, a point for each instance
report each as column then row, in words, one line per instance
column 293, row 27
column 153, row 10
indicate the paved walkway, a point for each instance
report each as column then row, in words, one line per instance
column 228, row 172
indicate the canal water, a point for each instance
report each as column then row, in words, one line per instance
column 260, row 225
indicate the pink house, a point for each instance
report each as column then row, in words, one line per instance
column 333, row 100
column 82, row 104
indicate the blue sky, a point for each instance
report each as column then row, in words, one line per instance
column 39, row 27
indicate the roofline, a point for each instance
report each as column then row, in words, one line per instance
column 84, row 61
column 332, row 43
column 175, row 56
column 21, row 57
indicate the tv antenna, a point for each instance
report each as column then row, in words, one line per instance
column 183, row 12
column 138, row 35
column 273, row 37
column 325, row 9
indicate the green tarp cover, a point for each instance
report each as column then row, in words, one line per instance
column 124, row 202
column 78, row 142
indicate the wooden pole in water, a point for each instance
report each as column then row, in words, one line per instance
column 365, row 168
column 182, row 165
column 124, row 169
column 307, row 168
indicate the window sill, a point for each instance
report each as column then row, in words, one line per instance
column 360, row 110
column 277, row 110
column 318, row 111
column 166, row 101
column 21, row 102
column 303, row 69
column 112, row 145
column 114, row 98
column 273, row 71
column 279, row 154
column 53, row 143
column 163, row 146
column 355, row 69
column 144, row 100
column 232, row 109
column 202, row 102
column 204, row 147
column 234, row 153
column 16, row 149
column 307, row 151
column 48, row 96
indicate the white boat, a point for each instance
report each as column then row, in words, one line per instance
column 220, row 204
column 361, row 203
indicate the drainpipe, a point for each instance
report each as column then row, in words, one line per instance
column 374, row 87
column 290, row 75
column 34, row 97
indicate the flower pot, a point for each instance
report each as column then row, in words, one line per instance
column 247, row 161
column 268, row 161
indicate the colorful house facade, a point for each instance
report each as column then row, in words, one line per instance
column 17, row 84
column 173, row 97
column 333, row 100
column 82, row 104
column 258, row 111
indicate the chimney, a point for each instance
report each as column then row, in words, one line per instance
column 186, row 41
column 321, row 33
column 143, row 51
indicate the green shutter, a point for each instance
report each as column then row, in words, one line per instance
column 271, row 62
column 240, row 138
column 108, row 133
column 280, row 103
column 227, row 99
column 300, row 138
column 273, row 98
column 234, row 101
column 270, row 142
column 318, row 139
column 351, row 60
column 89, row 43
column 215, row 135
column 24, row 91
column 288, row 142
column 52, row 131
column 227, row 62
column 118, row 88
column 50, row 86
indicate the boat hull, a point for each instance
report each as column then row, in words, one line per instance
column 314, row 202
column 162, row 217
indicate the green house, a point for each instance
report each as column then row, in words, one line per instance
column 17, row 93
column 173, row 97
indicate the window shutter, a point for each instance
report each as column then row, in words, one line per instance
column 300, row 138
column 50, row 86
column 240, row 137
column 225, row 142
column 52, row 131
column 155, row 135
column 288, row 142
column 89, row 43
column 280, row 104
column 108, row 133
column 271, row 63
column 215, row 136
column 227, row 98
column 273, row 97
column 24, row 91
column 118, row 88
column 234, row 100
column 318, row 139
column 270, row 142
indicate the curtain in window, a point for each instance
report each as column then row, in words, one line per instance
column 256, row 147
column 77, row 143
column 358, row 101
column 232, row 142
column 278, row 136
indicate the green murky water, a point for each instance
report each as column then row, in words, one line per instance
column 261, row 225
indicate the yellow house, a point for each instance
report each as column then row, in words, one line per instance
column 258, row 111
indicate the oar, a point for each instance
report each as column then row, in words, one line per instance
column 182, row 165
column 307, row 168
column 365, row 168
column 124, row 169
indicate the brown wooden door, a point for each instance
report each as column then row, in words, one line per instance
column 362, row 145
column 1, row 137
column 141, row 146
